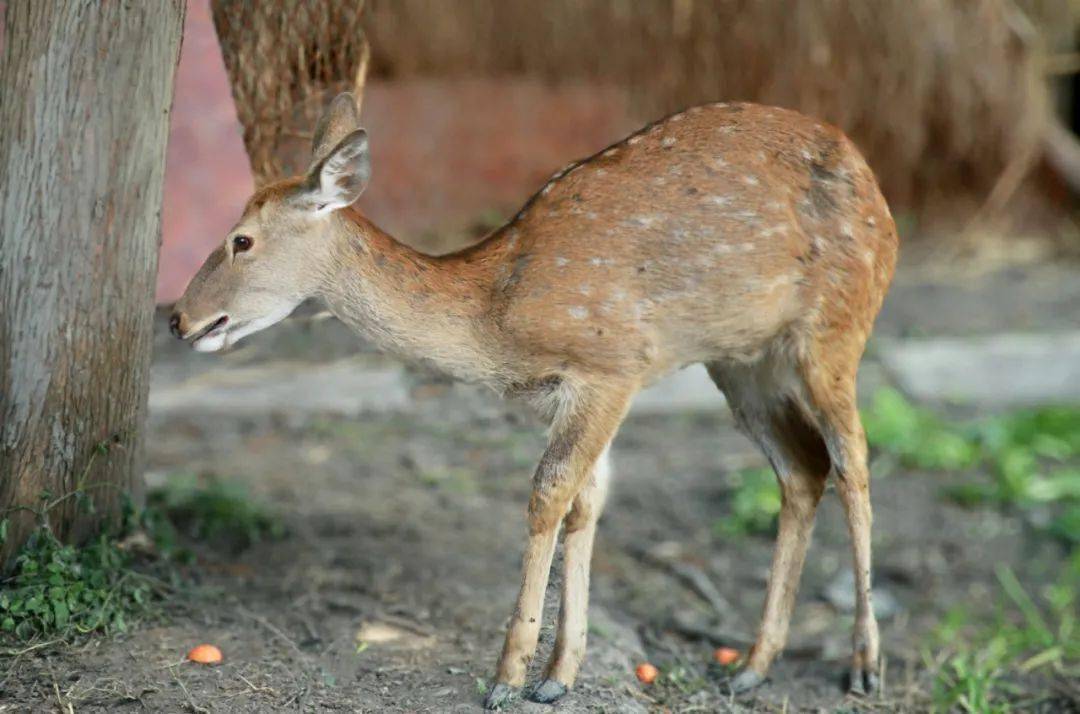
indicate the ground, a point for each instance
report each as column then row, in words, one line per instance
column 405, row 528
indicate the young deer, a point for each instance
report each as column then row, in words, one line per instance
column 752, row 239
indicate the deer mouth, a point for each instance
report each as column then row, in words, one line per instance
column 214, row 328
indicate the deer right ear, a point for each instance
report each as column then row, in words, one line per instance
column 340, row 177
column 340, row 118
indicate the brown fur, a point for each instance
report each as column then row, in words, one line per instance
column 749, row 238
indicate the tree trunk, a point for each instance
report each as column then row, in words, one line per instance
column 85, row 91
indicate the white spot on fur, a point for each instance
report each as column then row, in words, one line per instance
column 561, row 262
column 744, row 215
column 644, row 222
column 578, row 312
column 610, row 152
column 546, row 190
column 601, row 261
column 718, row 200
column 668, row 142
column 846, row 230
column 870, row 221
column 634, row 139
column 601, row 172
column 677, row 117
column 750, row 180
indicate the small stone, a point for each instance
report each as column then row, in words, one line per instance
column 840, row 593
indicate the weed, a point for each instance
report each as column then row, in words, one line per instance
column 755, row 503
column 917, row 436
column 60, row 590
column 212, row 509
column 975, row 661
column 1025, row 454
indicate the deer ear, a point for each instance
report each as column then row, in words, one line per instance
column 341, row 176
column 340, row 118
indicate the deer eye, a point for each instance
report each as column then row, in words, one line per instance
column 242, row 243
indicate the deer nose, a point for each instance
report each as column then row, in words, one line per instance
column 174, row 325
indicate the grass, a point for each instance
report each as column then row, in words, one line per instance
column 977, row 665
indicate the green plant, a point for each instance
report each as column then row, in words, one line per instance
column 976, row 663
column 211, row 508
column 917, row 436
column 755, row 503
column 60, row 590
column 1026, row 456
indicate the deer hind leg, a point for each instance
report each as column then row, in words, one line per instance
column 577, row 441
column 797, row 453
column 846, row 441
column 579, row 528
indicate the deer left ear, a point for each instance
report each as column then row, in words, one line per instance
column 339, row 178
column 339, row 119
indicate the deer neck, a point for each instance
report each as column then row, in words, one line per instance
column 428, row 309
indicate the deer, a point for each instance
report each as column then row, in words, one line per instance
column 751, row 239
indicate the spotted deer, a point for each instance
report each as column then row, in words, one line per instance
column 752, row 239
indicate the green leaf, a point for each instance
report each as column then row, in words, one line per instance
column 60, row 610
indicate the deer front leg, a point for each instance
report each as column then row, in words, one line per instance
column 580, row 530
column 576, row 442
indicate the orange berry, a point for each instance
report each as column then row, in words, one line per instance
column 646, row 673
column 205, row 654
column 726, row 655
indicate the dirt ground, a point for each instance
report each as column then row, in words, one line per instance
column 412, row 526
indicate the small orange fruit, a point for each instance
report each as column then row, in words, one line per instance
column 205, row 654
column 646, row 673
column 726, row 655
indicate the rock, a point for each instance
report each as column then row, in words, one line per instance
column 1041, row 368
column 840, row 593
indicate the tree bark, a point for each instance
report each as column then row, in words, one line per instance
column 85, row 93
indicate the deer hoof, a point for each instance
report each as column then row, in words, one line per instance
column 499, row 696
column 548, row 691
column 744, row 681
column 862, row 683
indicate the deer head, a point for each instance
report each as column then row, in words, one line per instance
column 280, row 251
